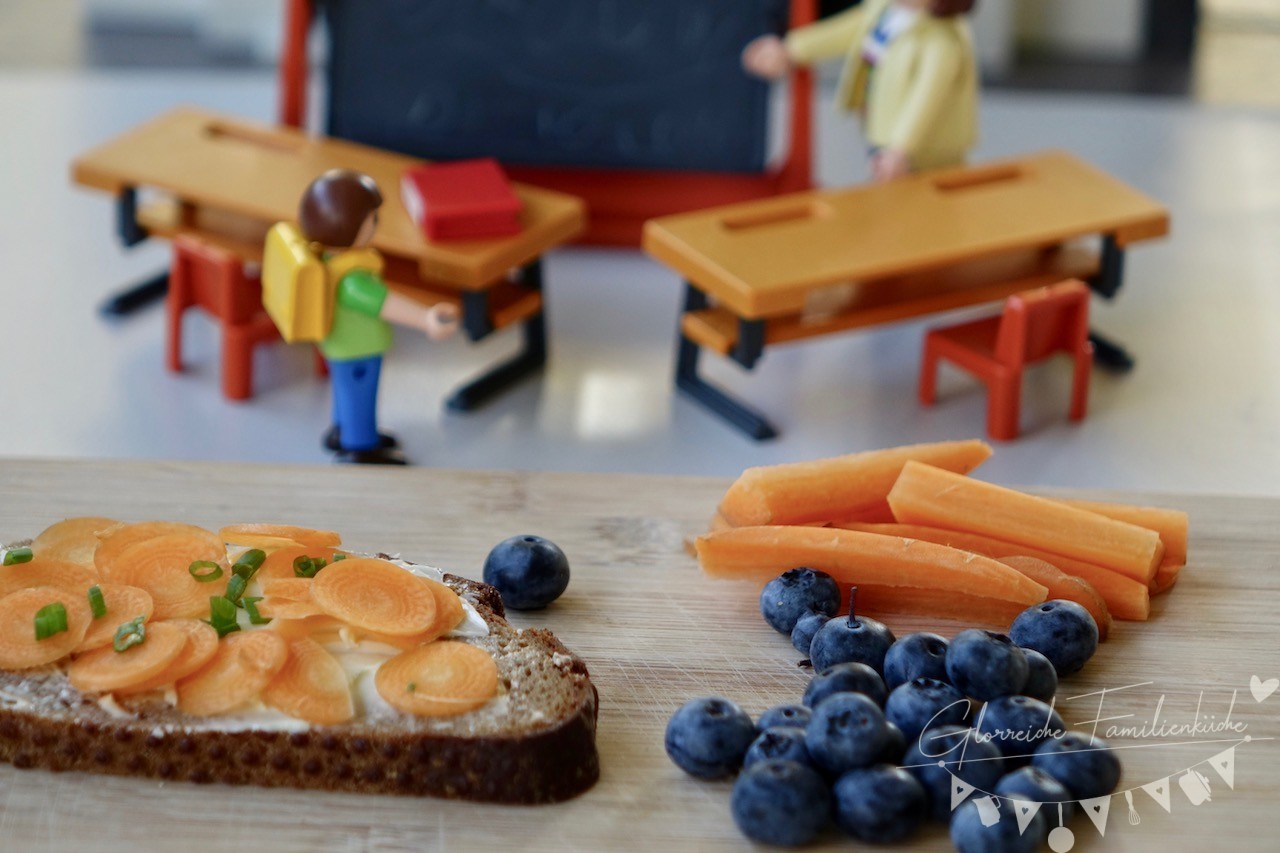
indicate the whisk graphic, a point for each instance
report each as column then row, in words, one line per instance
column 1134, row 820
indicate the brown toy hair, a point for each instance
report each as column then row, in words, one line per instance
column 335, row 206
column 951, row 8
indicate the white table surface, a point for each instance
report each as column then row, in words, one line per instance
column 1200, row 310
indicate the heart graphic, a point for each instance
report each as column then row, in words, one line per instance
column 1262, row 689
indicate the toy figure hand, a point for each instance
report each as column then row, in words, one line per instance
column 766, row 57
column 888, row 164
column 442, row 321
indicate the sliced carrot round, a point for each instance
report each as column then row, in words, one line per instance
column 438, row 680
column 278, row 535
column 202, row 644
column 72, row 539
column 243, row 665
column 162, row 566
column 105, row 669
column 288, row 609
column 119, row 539
column 449, row 609
column 292, row 589
column 312, row 686
column 279, row 563
column 123, row 603
column 46, row 571
column 19, row 648
column 319, row 628
column 375, row 595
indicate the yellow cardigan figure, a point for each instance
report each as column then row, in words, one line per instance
column 909, row 72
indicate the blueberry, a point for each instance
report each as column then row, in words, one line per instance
column 1032, row 783
column 879, row 804
column 806, row 627
column 1018, row 724
column 970, row 835
column 708, row 737
column 1086, row 766
column 779, row 742
column 846, row 678
column 780, row 802
column 1062, row 631
column 793, row 594
column 528, row 571
column 921, row 655
column 847, row 731
column 1042, row 678
column 924, row 703
column 979, row 764
column 784, row 715
column 984, row 665
column 895, row 745
column 853, row 638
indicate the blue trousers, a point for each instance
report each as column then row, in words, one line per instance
column 355, row 401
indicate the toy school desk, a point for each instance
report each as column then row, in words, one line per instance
column 227, row 181
column 793, row 267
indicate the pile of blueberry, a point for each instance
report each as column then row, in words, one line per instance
column 886, row 723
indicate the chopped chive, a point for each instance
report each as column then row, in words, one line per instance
column 50, row 619
column 17, row 555
column 413, row 685
column 307, row 567
column 337, row 558
column 205, row 571
column 251, row 607
column 222, row 615
column 249, row 562
column 236, row 587
column 97, row 603
column 130, row 634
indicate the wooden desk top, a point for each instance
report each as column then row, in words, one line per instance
column 654, row 633
column 259, row 171
column 760, row 257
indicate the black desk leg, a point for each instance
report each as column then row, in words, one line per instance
column 131, row 233
column 689, row 382
column 1107, row 354
column 530, row 359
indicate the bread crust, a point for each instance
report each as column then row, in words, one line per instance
column 44, row 723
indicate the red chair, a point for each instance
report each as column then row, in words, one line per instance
column 214, row 279
column 1033, row 326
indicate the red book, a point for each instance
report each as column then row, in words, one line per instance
column 466, row 199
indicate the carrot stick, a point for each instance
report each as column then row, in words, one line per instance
column 1125, row 597
column 853, row 557
column 1171, row 524
column 830, row 489
column 972, row 610
column 927, row 495
column 1064, row 586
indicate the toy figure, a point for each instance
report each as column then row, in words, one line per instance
column 339, row 214
column 909, row 72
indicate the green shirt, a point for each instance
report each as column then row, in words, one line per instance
column 357, row 331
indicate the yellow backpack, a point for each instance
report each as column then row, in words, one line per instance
column 298, row 284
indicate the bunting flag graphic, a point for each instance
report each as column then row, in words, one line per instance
column 1025, row 811
column 1097, row 809
column 960, row 790
column 1159, row 792
column 1196, row 786
column 1225, row 763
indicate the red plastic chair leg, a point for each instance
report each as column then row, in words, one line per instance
column 237, row 362
column 1004, row 404
column 322, row 366
column 928, row 389
column 1080, row 384
column 177, row 301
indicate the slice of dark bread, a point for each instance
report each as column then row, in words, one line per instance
column 534, row 743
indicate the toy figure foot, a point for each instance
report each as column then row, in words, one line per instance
column 333, row 439
column 373, row 456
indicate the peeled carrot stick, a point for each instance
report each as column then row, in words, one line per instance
column 312, row 686
column 1064, row 586
column 438, row 680
column 1166, row 577
column 1171, row 524
column 927, row 495
column 853, row 557
column 888, row 602
column 1125, row 597
column 830, row 489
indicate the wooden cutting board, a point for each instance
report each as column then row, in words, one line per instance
column 654, row 633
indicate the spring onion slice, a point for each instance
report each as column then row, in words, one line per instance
column 130, row 634
column 50, row 619
column 308, row 567
column 250, row 603
column 18, row 555
column 222, row 615
column 205, row 571
column 236, row 587
column 97, row 603
column 248, row 563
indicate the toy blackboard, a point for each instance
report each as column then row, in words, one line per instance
column 651, row 84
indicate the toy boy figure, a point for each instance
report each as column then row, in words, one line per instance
column 339, row 213
column 909, row 72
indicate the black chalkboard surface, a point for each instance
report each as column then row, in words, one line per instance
column 651, row 84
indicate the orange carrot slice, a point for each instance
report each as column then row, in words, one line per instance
column 104, row 670
column 449, row 610
column 292, row 589
column 924, row 494
column 19, row 648
column 854, row 557
column 117, row 540
column 312, row 686
column 1170, row 524
column 72, row 539
column 47, row 571
column 124, row 603
column 830, row 489
column 375, row 595
column 161, row 565
column 1065, row 586
column 1125, row 597
column 242, row 667
column 438, row 680
column 202, row 644
column 318, row 628
column 284, row 608
column 267, row 536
